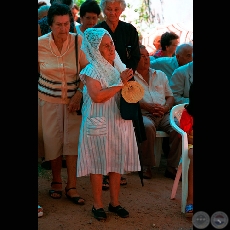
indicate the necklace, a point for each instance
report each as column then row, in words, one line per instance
column 60, row 55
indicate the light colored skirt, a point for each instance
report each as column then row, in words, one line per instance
column 58, row 130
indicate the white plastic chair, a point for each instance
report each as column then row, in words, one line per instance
column 176, row 112
column 158, row 151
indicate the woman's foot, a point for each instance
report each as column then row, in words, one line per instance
column 71, row 194
column 40, row 211
column 99, row 214
column 119, row 211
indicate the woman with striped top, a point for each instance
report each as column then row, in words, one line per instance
column 59, row 96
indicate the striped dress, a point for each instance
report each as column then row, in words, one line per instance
column 107, row 143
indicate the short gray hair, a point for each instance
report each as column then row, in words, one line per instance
column 182, row 47
column 103, row 4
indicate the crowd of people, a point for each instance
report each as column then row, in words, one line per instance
column 88, row 72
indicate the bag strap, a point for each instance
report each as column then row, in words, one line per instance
column 76, row 49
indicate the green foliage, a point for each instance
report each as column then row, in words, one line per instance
column 79, row 2
column 145, row 15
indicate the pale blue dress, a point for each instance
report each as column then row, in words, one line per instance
column 107, row 143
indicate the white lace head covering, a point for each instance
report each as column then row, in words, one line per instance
column 90, row 46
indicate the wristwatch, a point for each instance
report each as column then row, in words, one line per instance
column 167, row 106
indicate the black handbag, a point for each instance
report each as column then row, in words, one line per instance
column 129, row 111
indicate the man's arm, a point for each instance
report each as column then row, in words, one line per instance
column 177, row 84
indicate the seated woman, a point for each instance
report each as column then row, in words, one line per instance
column 186, row 123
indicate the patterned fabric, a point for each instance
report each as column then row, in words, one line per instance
column 58, row 71
column 103, row 146
column 90, row 46
column 126, row 35
column 158, row 54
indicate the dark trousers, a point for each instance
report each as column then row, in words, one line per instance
column 152, row 124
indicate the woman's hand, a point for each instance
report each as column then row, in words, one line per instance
column 75, row 101
column 126, row 75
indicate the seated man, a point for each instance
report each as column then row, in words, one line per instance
column 180, row 83
column 183, row 55
column 155, row 106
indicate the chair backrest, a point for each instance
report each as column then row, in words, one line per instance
column 176, row 111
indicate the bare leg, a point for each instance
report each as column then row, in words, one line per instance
column 71, row 163
column 96, row 181
column 190, row 178
column 114, row 185
column 114, row 205
column 56, row 166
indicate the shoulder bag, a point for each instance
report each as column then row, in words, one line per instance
column 76, row 50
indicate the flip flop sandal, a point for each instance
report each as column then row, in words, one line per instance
column 189, row 210
column 58, row 193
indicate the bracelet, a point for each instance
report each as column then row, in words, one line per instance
column 80, row 90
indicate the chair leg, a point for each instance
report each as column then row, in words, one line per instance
column 185, row 166
column 176, row 182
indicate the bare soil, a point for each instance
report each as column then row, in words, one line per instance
column 150, row 207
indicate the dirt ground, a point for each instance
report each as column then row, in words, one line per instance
column 150, row 207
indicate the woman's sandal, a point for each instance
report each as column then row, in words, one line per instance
column 58, row 193
column 189, row 210
column 74, row 199
column 105, row 183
